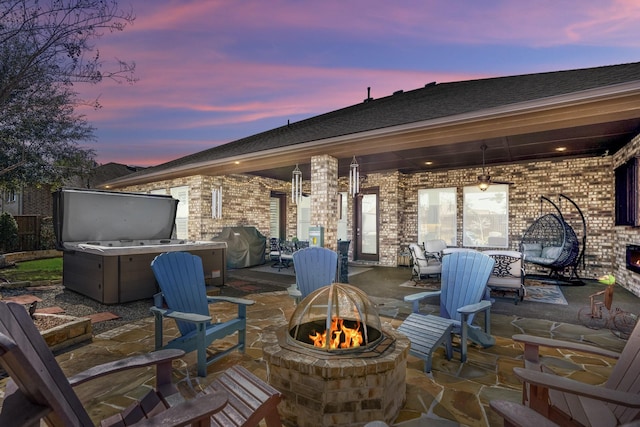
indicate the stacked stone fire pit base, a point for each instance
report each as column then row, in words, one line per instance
column 337, row 390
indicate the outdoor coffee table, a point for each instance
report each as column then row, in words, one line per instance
column 427, row 333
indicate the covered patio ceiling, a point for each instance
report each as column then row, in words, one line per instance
column 579, row 141
column 548, row 129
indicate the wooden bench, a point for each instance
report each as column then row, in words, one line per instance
column 250, row 399
column 427, row 333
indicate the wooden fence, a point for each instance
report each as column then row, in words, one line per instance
column 28, row 232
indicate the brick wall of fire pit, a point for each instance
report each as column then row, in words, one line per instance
column 337, row 390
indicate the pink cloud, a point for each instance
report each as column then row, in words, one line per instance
column 540, row 23
column 186, row 68
column 290, row 89
column 139, row 154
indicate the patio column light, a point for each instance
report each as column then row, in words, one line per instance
column 216, row 202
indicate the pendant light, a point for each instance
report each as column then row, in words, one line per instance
column 484, row 180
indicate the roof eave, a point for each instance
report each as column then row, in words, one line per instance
column 588, row 106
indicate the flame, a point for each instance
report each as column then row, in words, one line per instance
column 340, row 336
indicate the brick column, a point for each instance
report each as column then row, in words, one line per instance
column 324, row 198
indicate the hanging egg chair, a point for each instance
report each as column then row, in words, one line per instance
column 551, row 242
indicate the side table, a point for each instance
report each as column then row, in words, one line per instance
column 427, row 333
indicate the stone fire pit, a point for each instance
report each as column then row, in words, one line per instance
column 344, row 388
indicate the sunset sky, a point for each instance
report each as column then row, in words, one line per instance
column 213, row 71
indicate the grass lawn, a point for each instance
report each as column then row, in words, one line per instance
column 41, row 269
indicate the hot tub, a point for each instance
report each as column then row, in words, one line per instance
column 109, row 239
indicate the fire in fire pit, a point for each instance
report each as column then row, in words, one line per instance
column 336, row 318
column 340, row 336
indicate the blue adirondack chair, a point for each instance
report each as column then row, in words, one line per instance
column 315, row 267
column 183, row 298
column 462, row 292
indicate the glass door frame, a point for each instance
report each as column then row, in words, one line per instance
column 357, row 229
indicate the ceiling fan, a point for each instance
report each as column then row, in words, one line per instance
column 484, row 180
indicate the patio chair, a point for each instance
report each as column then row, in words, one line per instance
column 315, row 267
column 426, row 262
column 279, row 254
column 462, row 289
column 508, row 273
column 39, row 390
column 183, row 298
column 567, row 401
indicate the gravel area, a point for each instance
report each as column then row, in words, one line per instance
column 78, row 305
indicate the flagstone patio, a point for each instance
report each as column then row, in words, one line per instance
column 454, row 393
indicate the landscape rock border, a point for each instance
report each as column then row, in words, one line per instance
column 74, row 331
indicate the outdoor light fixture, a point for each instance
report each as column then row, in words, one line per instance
column 296, row 185
column 216, row 202
column 484, row 180
column 354, row 178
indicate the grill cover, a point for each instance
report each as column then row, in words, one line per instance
column 246, row 246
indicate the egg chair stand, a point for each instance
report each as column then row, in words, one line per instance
column 552, row 243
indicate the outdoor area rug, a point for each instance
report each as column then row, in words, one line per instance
column 538, row 291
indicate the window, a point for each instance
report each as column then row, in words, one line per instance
column 274, row 217
column 182, row 213
column 304, row 218
column 343, row 207
column 437, row 213
column 627, row 200
column 485, row 216
column 216, row 202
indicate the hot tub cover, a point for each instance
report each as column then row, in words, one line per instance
column 83, row 215
column 246, row 246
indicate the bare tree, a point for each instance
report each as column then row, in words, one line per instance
column 46, row 47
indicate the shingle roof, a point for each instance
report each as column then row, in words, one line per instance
column 430, row 102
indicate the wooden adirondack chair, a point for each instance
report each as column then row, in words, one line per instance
column 183, row 298
column 569, row 402
column 462, row 289
column 315, row 267
column 517, row 415
column 38, row 389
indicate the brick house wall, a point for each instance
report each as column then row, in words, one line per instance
column 245, row 202
column 589, row 182
column 28, row 201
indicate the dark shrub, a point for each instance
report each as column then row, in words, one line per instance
column 8, row 233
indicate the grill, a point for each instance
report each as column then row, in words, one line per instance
column 109, row 239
